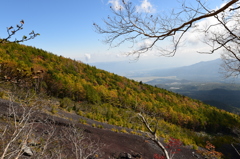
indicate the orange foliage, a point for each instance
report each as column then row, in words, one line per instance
column 210, row 151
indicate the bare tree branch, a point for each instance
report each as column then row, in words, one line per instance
column 82, row 147
column 147, row 32
column 129, row 25
column 235, row 149
column 12, row 31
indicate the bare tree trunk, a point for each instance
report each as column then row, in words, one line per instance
column 235, row 149
column 154, row 135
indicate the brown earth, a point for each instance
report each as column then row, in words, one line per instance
column 115, row 145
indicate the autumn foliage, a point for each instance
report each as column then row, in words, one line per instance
column 210, row 151
column 173, row 147
column 109, row 98
column 157, row 156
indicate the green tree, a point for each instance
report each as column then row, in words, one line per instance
column 92, row 95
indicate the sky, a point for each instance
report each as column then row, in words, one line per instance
column 66, row 28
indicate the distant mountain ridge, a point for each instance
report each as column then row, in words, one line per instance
column 205, row 71
column 202, row 71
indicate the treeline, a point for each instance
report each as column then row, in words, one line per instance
column 107, row 97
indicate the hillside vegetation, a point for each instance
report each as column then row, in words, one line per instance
column 109, row 98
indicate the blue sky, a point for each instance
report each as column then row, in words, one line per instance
column 66, row 28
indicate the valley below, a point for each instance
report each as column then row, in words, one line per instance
column 203, row 81
column 221, row 95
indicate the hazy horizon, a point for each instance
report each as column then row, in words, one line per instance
column 124, row 68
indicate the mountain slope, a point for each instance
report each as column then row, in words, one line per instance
column 113, row 99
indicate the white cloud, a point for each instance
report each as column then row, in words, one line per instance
column 195, row 37
column 121, row 55
column 116, row 4
column 87, row 57
column 145, row 43
column 146, row 7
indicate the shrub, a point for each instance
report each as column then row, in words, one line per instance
column 54, row 110
column 174, row 145
column 66, row 103
column 195, row 147
column 1, row 94
column 134, row 132
column 157, row 156
column 100, row 126
column 80, row 113
column 114, row 129
column 82, row 121
column 210, row 152
column 123, row 131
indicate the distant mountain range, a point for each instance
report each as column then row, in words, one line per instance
column 207, row 71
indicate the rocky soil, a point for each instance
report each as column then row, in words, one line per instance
column 114, row 145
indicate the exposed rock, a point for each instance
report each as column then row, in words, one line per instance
column 125, row 156
column 137, row 156
column 27, row 150
column 129, row 156
column 195, row 155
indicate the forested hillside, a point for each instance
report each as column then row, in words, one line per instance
column 113, row 99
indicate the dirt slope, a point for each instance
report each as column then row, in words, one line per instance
column 116, row 145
